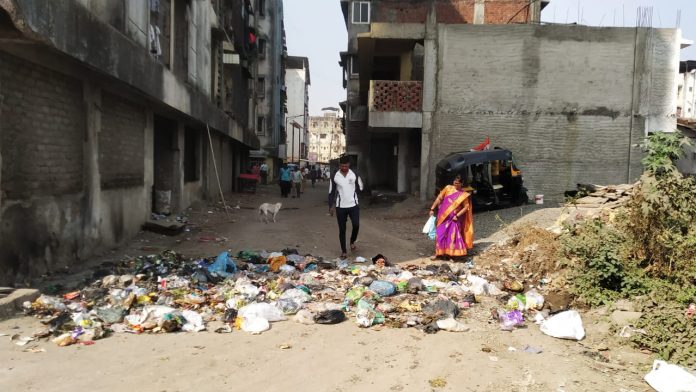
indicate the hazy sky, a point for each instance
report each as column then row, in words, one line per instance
column 316, row 29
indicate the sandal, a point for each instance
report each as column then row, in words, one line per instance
column 433, row 257
column 353, row 247
column 343, row 256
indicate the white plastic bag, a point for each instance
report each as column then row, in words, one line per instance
column 429, row 225
column 304, row 316
column 261, row 310
column 564, row 325
column 194, row 321
column 452, row 325
column 255, row 325
column 665, row 377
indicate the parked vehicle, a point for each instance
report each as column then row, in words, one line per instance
column 492, row 176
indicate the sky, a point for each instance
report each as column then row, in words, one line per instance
column 316, row 29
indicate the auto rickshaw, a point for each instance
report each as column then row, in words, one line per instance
column 492, row 176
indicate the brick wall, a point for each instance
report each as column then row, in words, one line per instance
column 121, row 143
column 449, row 11
column 43, row 123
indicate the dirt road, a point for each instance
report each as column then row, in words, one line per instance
column 319, row 358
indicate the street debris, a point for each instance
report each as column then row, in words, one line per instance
column 252, row 291
column 565, row 325
column 666, row 377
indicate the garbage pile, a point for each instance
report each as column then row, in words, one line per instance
column 166, row 293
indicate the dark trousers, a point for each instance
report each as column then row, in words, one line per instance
column 264, row 178
column 342, row 215
column 285, row 187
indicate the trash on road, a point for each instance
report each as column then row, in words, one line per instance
column 564, row 325
column 666, row 377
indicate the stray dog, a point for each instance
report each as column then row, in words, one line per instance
column 267, row 209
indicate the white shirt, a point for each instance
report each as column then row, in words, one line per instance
column 346, row 195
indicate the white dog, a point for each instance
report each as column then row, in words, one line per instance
column 267, row 209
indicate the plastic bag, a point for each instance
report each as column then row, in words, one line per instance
column 255, row 325
column 510, row 320
column 429, row 225
column 223, row 266
column 354, row 294
column 304, row 316
column 665, row 377
column 194, row 321
column 535, row 301
column 452, row 325
column 383, row 288
column 261, row 310
column 277, row 262
column 564, row 325
column 330, row 317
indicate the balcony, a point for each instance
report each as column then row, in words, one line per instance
column 395, row 104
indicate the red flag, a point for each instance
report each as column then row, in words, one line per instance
column 486, row 145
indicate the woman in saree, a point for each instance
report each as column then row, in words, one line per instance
column 455, row 224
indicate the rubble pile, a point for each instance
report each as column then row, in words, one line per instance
column 605, row 197
column 166, row 293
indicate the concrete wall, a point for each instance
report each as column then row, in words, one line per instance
column 295, row 80
column 571, row 102
column 89, row 40
column 686, row 98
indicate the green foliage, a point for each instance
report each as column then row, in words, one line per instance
column 601, row 252
column 662, row 149
column 669, row 333
column 661, row 220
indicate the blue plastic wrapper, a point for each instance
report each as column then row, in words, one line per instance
column 223, row 266
column 382, row 288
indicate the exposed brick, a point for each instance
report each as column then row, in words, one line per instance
column 449, row 11
column 43, row 123
column 121, row 143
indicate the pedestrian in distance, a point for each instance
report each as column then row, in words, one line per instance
column 284, row 181
column 455, row 222
column 303, row 171
column 297, row 179
column 344, row 186
column 313, row 176
column 264, row 173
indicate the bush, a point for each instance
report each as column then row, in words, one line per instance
column 669, row 333
column 600, row 253
column 661, row 216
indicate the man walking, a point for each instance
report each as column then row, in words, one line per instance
column 297, row 179
column 264, row 173
column 284, row 181
column 343, row 200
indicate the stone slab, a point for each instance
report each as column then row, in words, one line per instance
column 10, row 305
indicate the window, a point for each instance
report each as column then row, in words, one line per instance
column 261, row 87
column 261, row 6
column 691, row 89
column 361, row 12
column 261, row 125
column 354, row 65
column 322, row 136
column 262, row 47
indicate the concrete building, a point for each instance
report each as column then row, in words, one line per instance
column 104, row 105
column 686, row 90
column 326, row 138
column 427, row 81
column 270, row 79
column 297, row 81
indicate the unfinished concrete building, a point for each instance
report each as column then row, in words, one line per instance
column 103, row 105
column 432, row 77
column 271, row 94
